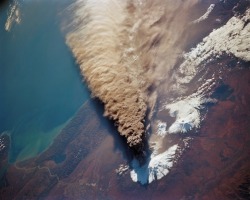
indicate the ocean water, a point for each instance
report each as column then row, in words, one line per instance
column 40, row 85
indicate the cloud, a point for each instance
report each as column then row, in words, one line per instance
column 13, row 16
column 121, row 47
column 98, row 47
column 205, row 15
column 232, row 38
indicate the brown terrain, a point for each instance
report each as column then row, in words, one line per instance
column 81, row 162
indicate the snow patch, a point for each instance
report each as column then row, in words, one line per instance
column 122, row 169
column 161, row 128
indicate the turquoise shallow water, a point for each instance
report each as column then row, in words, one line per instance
column 40, row 85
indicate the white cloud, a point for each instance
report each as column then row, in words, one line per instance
column 13, row 16
column 206, row 14
column 232, row 38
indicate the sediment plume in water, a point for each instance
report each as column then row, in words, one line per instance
column 124, row 50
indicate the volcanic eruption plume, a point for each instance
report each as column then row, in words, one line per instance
column 125, row 49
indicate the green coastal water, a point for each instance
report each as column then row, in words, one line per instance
column 40, row 85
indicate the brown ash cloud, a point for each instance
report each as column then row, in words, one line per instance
column 125, row 49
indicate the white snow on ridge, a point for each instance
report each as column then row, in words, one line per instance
column 205, row 16
column 162, row 128
column 232, row 38
column 157, row 167
column 187, row 114
column 187, row 110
